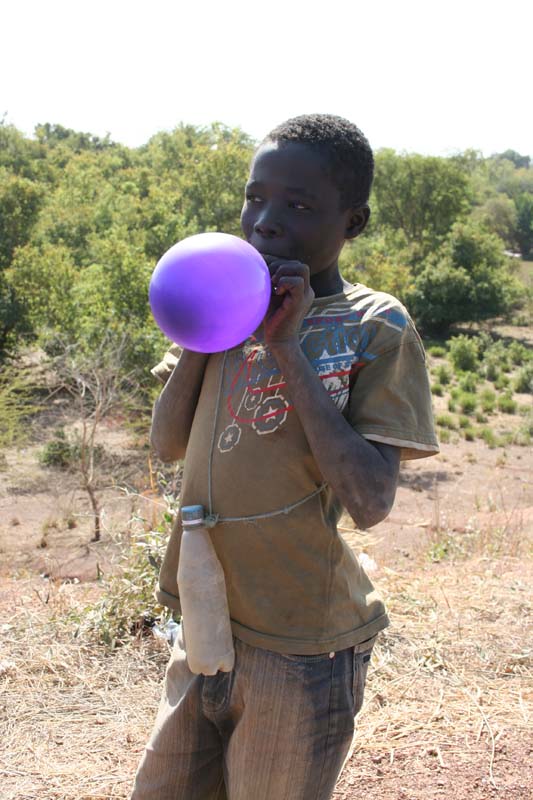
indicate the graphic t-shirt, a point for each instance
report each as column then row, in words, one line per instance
column 294, row 586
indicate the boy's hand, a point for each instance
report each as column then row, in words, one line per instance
column 291, row 300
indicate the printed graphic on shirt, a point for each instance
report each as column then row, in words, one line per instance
column 337, row 345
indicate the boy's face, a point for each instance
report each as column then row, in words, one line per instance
column 292, row 209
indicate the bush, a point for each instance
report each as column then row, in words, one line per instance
column 128, row 605
column 488, row 400
column 467, row 403
column 469, row 382
column 446, row 421
column 464, row 422
column 507, row 403
column 489, row 437
column 518, row 353
column 437, row 389
column 58, row 452
column 469, row 433
column 524, row 379
column 464, row 353
column 502, row 382
column 445, row 435
column 443, row 374
column 491, row 370
column 437, row 351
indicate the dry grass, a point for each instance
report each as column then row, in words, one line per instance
column 450, row 680
column 454, row 673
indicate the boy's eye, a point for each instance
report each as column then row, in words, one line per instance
column 253, row 198
column 299, row 206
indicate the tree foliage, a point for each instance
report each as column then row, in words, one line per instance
column 83, row 220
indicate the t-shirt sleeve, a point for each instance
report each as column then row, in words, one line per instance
column 390, row 401
column 163, row 370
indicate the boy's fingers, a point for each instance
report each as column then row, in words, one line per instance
column 291, row 268
column 290, row 283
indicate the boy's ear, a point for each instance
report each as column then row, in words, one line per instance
column 357, row 221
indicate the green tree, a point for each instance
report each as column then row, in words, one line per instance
column 469, row 279
column 20, row 202
column 421, row 195
column 524, row 223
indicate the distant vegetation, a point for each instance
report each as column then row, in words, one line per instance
column 83, row 221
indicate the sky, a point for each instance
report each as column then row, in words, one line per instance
column 417, row 75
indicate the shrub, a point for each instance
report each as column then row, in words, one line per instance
column 437, row 389
column 464, row 422
column 464, row 353
column 502, row 382
column 128, row 606
column 58, row 452
column 489, row 437
column 445, row 435
column 488, row 400
column 491, row 370
column 468, row 382
column 452, row 405
column 469, row 434
column 481, row 418
column 467, row 403
column 524, row 379
column 446, row 421
column 437, row 351
column 518, row 353
column 507, row 403
column 443, row 374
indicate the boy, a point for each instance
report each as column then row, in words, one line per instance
column 313, row 413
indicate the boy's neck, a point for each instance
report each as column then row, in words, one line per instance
column 327, row 282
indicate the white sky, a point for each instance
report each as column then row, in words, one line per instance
column 415, row 75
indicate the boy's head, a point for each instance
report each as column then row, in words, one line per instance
column 345, row 150
column 307, row 191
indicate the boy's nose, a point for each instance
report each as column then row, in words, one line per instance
column 267, row 226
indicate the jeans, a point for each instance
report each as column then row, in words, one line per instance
column 277, row 727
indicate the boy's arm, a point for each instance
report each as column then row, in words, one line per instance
column 363, row 474
column 174, row 409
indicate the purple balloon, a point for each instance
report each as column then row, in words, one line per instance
column 210, row 292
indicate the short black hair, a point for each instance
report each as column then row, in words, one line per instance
column 345, row 148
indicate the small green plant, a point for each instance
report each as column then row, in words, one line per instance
column 437, row 389
column 469, row 382
column 452, row 406
column 127, row 606
column 518, row 353
column 502, row 382
column 524, row 379
column 469, row 433
column 464, row 353
column 59, row 452
column 492, row 371
column 443, row 374
column 488, row 400
column 464, row 422
column 444, row 435
column 455, row 393
column 489, row 437
column 446, row 421
column 437, row 351
column 481, row 418
column 507, row 403
column 467, row 402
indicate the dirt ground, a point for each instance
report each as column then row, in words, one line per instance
column 449, row 698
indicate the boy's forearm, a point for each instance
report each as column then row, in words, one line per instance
column 363, row 480
column 175, row 407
